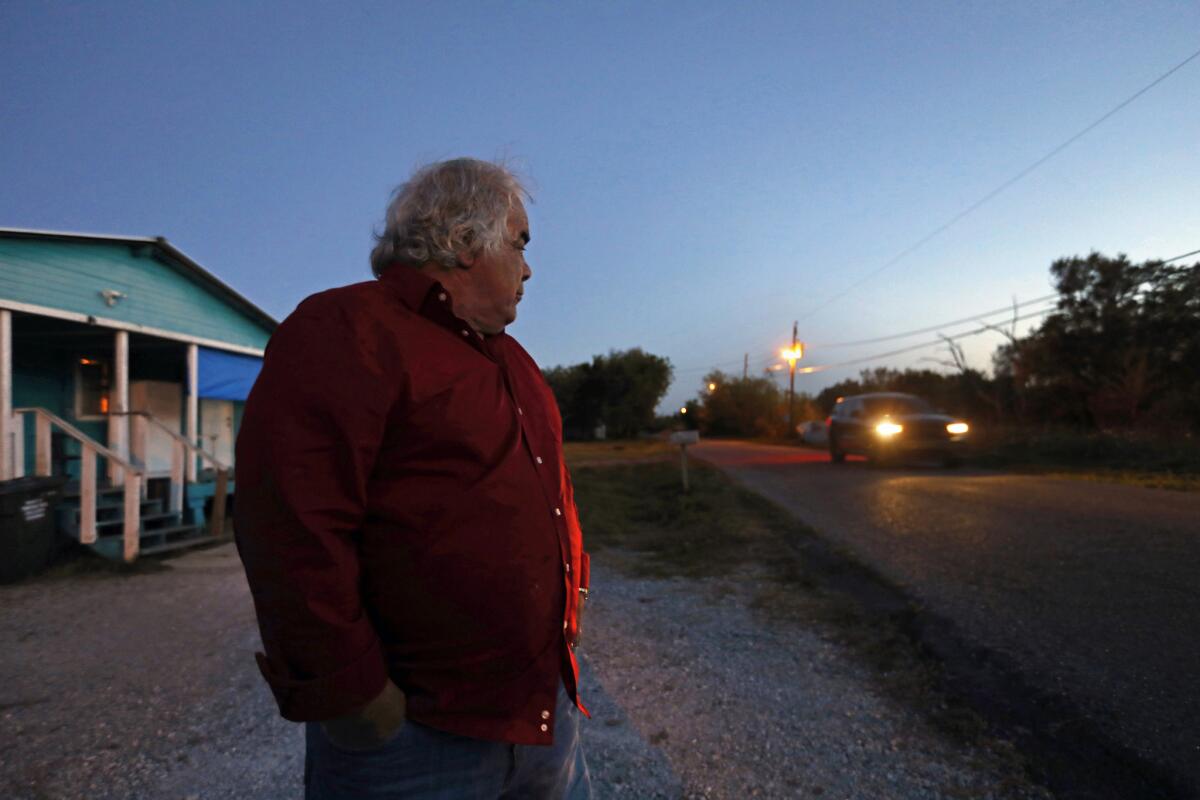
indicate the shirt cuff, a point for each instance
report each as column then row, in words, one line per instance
column 328, row 696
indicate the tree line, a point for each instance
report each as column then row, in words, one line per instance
column 1120, row 351
column 611, row 396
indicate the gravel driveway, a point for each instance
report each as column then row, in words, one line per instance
column 143, row 686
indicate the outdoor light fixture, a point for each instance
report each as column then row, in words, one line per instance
column 111, row 296
column 957, row 428
column 712, row 387
column 887, row 429
column 683, row 410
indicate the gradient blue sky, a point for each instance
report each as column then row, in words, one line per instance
column 703, row 173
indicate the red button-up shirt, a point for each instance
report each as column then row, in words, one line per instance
column 403, row 510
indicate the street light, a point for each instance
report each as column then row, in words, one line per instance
column 792, row 355
column 712, row 387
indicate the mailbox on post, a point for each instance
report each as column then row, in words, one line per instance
column 683, row 439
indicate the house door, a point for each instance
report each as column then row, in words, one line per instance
column 163, row 401
column 216, row 429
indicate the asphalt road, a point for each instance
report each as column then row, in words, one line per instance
column 1092, row 590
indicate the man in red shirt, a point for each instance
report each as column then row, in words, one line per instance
column 406, row 520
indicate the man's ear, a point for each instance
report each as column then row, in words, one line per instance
column 464, row 259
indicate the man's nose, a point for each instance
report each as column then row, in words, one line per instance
column 526, row 272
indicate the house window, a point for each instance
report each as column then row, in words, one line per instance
column 91, row 388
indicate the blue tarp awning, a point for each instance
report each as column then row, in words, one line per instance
column 226, row 376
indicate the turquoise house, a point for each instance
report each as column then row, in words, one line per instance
column 124, row 366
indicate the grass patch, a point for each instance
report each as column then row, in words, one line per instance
column 580, row 453
column 710, row 531
column 1130, row 458
column 1147, row 480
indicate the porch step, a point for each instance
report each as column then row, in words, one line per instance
column 160, row 540
column 69, row 522
column 110, row 515
column 160, row 530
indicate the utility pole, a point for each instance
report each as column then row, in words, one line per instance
column 792, row 383
column 792, row 355
column 745, row 366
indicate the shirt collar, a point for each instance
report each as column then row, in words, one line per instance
column 415, row 288
column 411, row 284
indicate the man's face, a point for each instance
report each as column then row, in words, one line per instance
column 486, row 291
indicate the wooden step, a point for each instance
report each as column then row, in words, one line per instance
column 159, row 540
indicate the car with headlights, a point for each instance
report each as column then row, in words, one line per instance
column 890, row 426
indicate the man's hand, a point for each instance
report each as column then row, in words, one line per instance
column 371, row 725
column 583, row 596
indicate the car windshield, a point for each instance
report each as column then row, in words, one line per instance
column 896, row 406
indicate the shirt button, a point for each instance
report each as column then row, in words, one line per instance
column 545, row 727
column 520, row 411
column 558, row 512
column 466, row 332
column 564, row 624
column 537, row 459
column 567, row 566
column 545, row 714
column 442, row 296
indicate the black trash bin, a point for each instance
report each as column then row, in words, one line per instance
column 27, row 535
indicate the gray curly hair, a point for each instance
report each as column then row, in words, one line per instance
column 444, row 209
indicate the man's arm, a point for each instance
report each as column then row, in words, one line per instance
column 309, row 437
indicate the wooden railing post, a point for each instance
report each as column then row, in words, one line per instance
column 87, row 495
column 133, row 513
column 177, row 458
column 217, row 523
column 17, row 433
column 42, row 445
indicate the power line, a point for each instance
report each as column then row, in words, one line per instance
column 912, row 348
column 932, row 328
column 994, row 192
column 973, row 318
column 1185, row 255
column 891, row 337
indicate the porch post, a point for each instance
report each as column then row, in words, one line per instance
column 6, row 446
column 193, row 407
column 118, row 422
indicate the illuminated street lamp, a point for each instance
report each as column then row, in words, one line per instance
column 792, row 355
column 712, row 387
column 683, row 409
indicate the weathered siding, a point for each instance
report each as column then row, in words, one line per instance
column 69, row 276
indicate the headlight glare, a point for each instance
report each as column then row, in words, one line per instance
column 888, row 429
column 957, row 428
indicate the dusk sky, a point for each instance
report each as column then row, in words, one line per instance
column 703, row 173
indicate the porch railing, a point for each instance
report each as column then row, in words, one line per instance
column 181, row 449
column 126, row 475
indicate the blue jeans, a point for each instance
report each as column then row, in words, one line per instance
column 420, row 763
